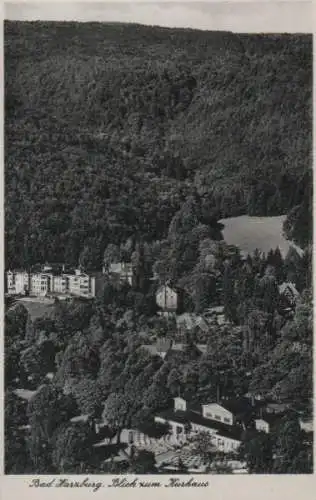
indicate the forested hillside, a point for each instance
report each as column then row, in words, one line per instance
column 110, row 127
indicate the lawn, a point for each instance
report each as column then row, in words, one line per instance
column 263, row 233
column 37, row 309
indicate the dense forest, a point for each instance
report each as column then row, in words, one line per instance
column 110, row 127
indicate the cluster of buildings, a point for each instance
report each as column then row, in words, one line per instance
column 53, row 281
column 226, row 421
column 56, row 279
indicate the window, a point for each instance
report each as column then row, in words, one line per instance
column 179, row 429
column 217, row 417
column 227, row 420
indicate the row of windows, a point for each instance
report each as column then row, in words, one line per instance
column 218, row 441
column 221, row 442
column 218, row 417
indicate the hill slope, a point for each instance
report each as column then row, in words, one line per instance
column 109, row 127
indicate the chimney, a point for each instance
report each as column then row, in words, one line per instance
column 217, row 394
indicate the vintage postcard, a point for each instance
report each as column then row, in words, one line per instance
column 158, row 245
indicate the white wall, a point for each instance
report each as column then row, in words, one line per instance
column 215, row 411
column 21, row 281
column 262, row 425
column 200, row 428
column 167, row 298
column 222, row 443
column 225, row 444
column 180, row 404
column 59, row 284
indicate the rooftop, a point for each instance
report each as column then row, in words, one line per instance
column 183, row 417
column 288, row 286
column 238, row 406
column 119, row 267
column 164, row 346
column 191, row 321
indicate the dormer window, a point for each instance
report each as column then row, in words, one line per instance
column 180, row 404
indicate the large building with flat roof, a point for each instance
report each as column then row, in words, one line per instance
column 47, row 282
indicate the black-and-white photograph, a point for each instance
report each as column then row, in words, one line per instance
column 158, row 239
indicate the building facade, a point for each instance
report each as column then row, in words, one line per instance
column 217, row 412
column 17, row 282
column 43, row 284
column 289, row 292
column 167, row 299
column 40, row 284
column 123, row 272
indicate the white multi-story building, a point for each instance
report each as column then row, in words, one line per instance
column 41, row 284
column 81, row 284
column 60, row 284
column 17, row 282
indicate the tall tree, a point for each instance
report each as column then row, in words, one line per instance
column 288, row 447
column 117, row 413
column 230, row 301
column 257, row 452
column 71, row 448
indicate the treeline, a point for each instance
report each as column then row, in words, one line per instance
column 109, row 128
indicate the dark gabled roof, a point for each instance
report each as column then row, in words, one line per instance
column 237, row 406
column 270, row 418
column 183, row 417
column 195, row 407
column 275, row 407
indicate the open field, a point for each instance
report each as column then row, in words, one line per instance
column 37, row 308
column 263, row 233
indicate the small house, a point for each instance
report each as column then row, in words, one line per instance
column 306, row 425
column 167, row 299
column 123, row 272
column 265, row 422
column 288, row 291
